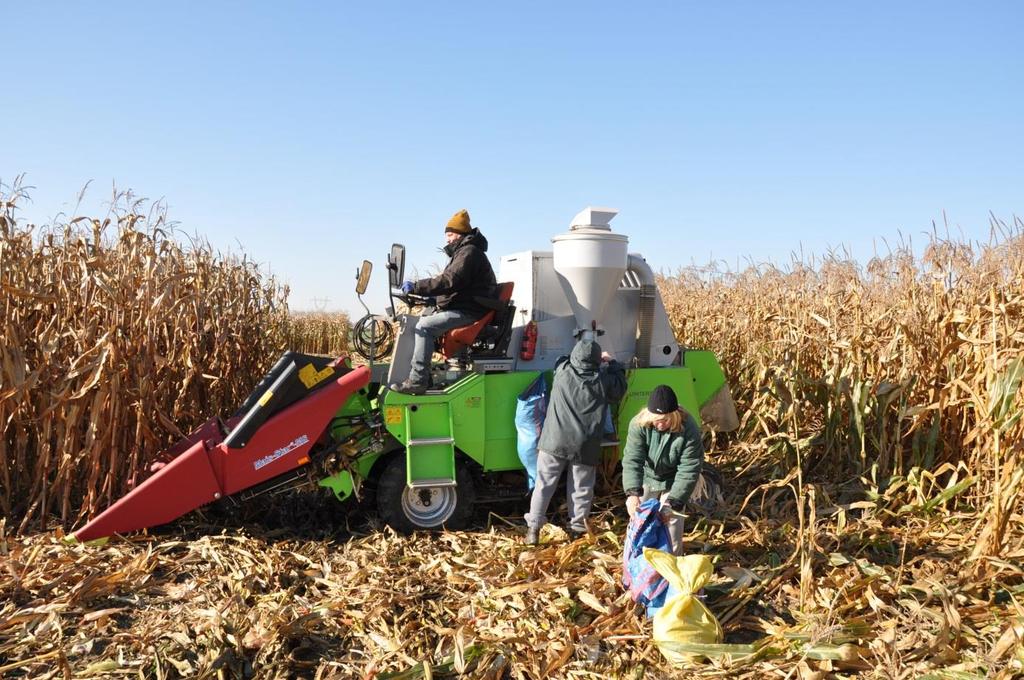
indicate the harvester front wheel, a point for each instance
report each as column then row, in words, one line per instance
column 436, row 507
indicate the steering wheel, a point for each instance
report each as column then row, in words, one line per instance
column 414, row 300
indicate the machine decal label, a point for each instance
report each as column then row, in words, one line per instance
column 310, row 377
column 473, row 402
column 392, row 415
column 265, row 398
column 280, row 453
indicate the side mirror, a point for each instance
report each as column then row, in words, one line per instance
column 363, row 276
column 396, row 265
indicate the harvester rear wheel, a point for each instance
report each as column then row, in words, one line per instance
column 440, row 507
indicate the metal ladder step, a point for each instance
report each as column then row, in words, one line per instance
column 432, row 483
column 429, row 445
column 431, row 440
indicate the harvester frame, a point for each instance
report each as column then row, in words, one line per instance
column 423, row 458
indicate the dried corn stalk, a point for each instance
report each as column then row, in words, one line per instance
column 116, row 339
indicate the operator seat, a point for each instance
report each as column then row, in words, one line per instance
column 457, row 340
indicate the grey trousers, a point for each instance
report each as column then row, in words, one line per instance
column 428, row 328
column 674, row 525
column 579, row 491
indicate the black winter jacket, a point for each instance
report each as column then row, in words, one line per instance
column 468, row 275
column 580, row 390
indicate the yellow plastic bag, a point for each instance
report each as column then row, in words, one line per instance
column 684, row 618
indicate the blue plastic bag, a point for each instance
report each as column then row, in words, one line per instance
column 531, row 406
column 646, row 530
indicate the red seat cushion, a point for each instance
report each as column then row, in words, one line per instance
column 455, row 340
column 467, row 334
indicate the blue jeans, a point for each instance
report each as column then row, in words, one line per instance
column 429, row 327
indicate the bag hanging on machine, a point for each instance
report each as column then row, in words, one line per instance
column 531, row 406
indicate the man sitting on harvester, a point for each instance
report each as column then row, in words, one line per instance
column 462, row 291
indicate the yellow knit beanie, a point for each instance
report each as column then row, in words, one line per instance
column 459, row 223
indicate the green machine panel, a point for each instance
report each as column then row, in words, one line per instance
column 501, row 391
column 482, row 418
column 708, row 376
column 643, row 380
column 454, row 413
column 478, row 413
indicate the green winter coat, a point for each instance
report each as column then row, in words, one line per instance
column 663, row 460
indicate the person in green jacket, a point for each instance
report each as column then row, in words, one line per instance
column 662, row 459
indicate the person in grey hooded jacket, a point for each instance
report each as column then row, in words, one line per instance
column 583, row 384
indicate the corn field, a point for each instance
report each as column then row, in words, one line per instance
column 872, row 526
column 898, row 381
column 116, row 341
column 319, row 332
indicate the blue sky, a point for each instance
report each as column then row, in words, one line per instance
column 314, row 135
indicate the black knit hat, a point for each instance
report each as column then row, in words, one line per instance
column 662, row 400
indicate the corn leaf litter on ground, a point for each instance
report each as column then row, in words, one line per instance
column 240, row 603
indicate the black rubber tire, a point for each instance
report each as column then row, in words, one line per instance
column 397, row 505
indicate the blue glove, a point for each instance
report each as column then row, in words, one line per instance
column 407, row 287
